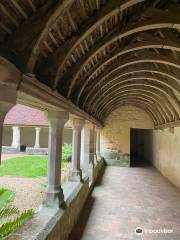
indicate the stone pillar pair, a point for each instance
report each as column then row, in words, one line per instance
column 90, row 154
column 57, row 120
column 17, row 136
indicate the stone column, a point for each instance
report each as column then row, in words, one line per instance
column 87, row 154
column 98, row 144
column 57, row 120
column 77, row 125
column 94, row 143
column 37, row 144
column 2, row 116
column 16, row 138
column 9, row 79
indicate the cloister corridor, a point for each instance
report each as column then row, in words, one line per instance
column 127, row 198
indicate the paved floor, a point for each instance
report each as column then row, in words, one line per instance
column 127, row 198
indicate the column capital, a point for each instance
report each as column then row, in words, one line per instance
column 10, row 75
column 61, row 117
column 77, row 122
column 8, row 98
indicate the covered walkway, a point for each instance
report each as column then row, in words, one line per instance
column 127, row 198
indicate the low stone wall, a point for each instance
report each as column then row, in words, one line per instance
column 36, row 151
column 122, row 162
column 10, row 150
column 57, row 224
column 65, row 220
column 97, row 171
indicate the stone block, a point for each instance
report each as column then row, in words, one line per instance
column 10, row 150
column 36, row 151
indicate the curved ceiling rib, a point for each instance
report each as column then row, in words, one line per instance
column 163, row 109
column 148, row 78
column 143, row 105
column 161, row 118
column 150, row 58
column 149, row 25
column 168, row 108
column 93, row 94
column 133, row 48
column 100, row 54
column 147, row 88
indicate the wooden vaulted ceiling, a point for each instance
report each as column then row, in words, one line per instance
column 99, row 54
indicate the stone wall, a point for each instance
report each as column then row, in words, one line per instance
column 115, row 136
column 164, row 152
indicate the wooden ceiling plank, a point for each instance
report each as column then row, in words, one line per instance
column 19, row 8
column 53, row 39
column 73, row 24
column 32, row 5
column 8, row 15
column 5, row 28
column 59, row 33
column 47, row 46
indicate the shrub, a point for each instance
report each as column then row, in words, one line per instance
column 66, row 152
column 10, row 217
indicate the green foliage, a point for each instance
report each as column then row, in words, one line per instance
column 10, row 217
column 66, row 152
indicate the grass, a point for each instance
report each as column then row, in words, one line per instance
column 27, row 166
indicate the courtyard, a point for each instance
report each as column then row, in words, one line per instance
column 25, row 174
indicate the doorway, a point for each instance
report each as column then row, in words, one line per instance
column 140, row 147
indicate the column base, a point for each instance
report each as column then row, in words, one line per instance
column 54, row 199
column 99, row 157
column 88, row 170
column 76, row 176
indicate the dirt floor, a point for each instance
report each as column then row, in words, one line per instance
column 30, row 192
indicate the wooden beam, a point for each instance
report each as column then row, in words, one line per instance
column 19, row 8
column 142, row 70
column 32, row 5
column 8, row 15
column 64, row 52
column 134, row 62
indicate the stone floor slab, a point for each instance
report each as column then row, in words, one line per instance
column 127, row 198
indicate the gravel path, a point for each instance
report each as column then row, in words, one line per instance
column 30, row 192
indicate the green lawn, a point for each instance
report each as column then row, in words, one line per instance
column 28, row 166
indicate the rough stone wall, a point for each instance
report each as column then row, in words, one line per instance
column 70, row 215
column 165, row 153
column 115, row 136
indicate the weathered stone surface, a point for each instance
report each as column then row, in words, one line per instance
column 115, row 136
column 36, row 151
column 164, row 151
column 10, row 150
